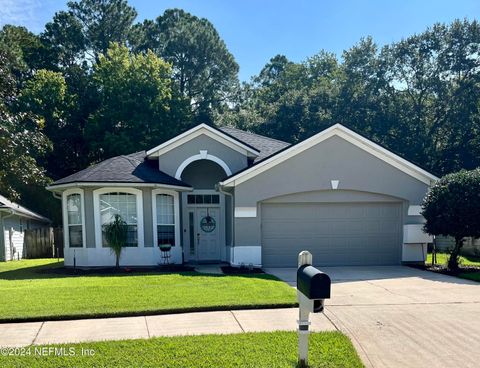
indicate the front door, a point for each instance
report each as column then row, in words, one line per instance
column 207, row 230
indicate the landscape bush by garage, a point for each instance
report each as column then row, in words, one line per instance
column 452, row 208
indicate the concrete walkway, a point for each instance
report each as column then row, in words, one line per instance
column 227, row 322
column 404, row 317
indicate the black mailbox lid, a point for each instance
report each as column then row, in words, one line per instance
column 313, row 283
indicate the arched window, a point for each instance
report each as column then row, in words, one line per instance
column 165, row 217
column 124, row 202
column 74, row 218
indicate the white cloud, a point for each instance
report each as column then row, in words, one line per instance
column 22, row 12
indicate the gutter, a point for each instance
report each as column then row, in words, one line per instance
column 219, row 188
column 60, row 187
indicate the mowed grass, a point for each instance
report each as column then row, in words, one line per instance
column 465, row 261
column 32, row 292
column 442, row 259
column 269, row 350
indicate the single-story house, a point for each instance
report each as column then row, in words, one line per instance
column 14, row 220
column 227, row 195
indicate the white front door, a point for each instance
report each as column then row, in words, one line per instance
column 207, row 228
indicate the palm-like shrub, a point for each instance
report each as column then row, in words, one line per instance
column 452, row 208
column 116, row 236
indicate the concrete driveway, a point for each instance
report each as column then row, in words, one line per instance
column 403, row 317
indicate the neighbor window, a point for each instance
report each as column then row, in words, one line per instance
column 74, row 219
column 165, row 206
column 125, row 205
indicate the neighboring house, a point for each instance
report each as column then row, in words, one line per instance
column 471, row 247
column 14, row 220
column 233, row 196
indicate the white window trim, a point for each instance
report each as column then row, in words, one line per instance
column 203, row 155
column 96, row 212
column 66, row 227
column 176, row 205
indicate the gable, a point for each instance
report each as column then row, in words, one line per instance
column 208, row 131
column 334, row 159
column 182, row 155
column 345, row 134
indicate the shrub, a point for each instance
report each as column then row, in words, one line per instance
column 452, row 208
column 116, row 236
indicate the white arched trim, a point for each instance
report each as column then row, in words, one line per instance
column 203, row 155
column 176, row 205
column 96, row 210
column 66, row 228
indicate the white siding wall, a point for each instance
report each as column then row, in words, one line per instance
column 470, row 246
column 14, row 237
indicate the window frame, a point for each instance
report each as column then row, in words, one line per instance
column 66, row 225
column 97, row 218
column 176, row 212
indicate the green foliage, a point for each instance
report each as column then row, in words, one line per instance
column 25, row 49
column 64, row 39
column 290, row 101
column 452, row 208
column 103, row 22
column 204, row 70
column 135, row 101
column 21, row 139
column 116, row 233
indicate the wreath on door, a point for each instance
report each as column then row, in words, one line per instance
column 208, row 224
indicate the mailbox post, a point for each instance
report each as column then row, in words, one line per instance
column 313, row 287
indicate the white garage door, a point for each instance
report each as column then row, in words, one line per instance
column 335, row 233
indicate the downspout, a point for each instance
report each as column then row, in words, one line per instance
column 56, row 195
column 219, row 189
column 11, row 213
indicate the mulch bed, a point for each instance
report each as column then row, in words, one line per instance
column 229, row 270
column 445, row 271
column 115, row 271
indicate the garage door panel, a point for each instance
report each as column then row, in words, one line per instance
column 335, row 233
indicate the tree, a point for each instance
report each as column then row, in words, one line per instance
column 116, row 233
column 452, row 208
column 25, row 49
column 103, row 22
column 137, row 108
column 22, row 141
column 46, row 95
column 64, row 39
column 204, row 70
column 291, row 101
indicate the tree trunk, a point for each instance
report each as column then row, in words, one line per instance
column 453, row 260
column 117, row 261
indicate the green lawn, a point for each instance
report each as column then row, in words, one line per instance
column 31, row 293
column 465, row 261
column 269, row 350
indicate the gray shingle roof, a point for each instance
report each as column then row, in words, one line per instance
column 266, row 146
column 20, row 210
column 133, row 168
